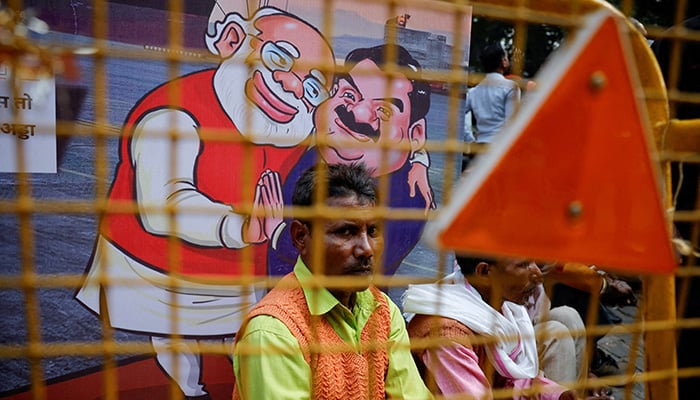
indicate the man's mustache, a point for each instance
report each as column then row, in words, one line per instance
column 362, row 265
column 348, row 119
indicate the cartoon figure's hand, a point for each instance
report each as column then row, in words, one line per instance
column 266, row 218
column 418, row 176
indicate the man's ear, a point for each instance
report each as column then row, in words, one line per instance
column 482, row 269
column 299, row 232
column 232, row 37
column 417, row 135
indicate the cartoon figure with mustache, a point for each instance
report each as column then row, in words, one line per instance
column 380, row 122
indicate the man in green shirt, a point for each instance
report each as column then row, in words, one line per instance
column 315, row 335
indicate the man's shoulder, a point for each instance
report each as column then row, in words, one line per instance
column 284, row 305
column 287, row 285
column 508, row 83
column 266, row 324
column 422, row 326
column 286, row 294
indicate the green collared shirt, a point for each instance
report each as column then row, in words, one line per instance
column 282, row 372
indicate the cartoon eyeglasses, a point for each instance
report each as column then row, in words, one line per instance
column 280, row 57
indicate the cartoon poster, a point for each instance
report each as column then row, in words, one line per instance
column 208, row 158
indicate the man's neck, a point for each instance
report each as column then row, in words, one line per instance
column 345, row 298
column 485, row 293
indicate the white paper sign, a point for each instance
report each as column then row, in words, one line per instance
column 27, row 124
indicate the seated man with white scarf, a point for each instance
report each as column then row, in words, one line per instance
column 480, row 338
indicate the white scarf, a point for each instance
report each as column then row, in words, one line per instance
column 514, row 351
column 538, row 305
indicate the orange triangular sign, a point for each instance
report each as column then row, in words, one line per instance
column 572, row 177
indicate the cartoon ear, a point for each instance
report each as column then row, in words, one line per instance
column 231, row 39
column 418, row 136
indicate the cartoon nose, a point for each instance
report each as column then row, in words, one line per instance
column 290, row 83
column 364, row 114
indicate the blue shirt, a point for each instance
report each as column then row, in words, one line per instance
column 492, row 102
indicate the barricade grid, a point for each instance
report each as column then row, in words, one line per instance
column 102, row 67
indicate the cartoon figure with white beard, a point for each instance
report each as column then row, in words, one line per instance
column 179, row 219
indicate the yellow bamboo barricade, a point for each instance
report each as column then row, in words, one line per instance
column 677, row 141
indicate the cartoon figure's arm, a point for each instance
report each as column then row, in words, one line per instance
column 418, row 176
column 164, row 180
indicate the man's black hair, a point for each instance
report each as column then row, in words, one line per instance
column 420, row 95
column 341, row 180
column 467, row 263
column 491, row 56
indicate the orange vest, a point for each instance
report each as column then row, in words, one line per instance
column 338, row 371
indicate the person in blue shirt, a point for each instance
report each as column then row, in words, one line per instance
column 494, row 100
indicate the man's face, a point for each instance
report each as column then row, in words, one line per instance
column 274, row 81
column 350, row 245
column 516, row 280
column 366, row 120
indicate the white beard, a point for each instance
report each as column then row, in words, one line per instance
column 253, row 124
